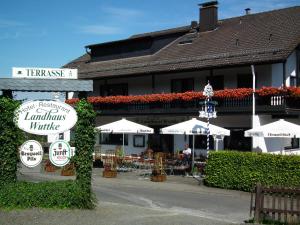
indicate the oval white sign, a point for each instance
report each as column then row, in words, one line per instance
column 31, row 153
column 45, row 117
column 60, row 153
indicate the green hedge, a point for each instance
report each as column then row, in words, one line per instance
column 54, row 194
column 84, row 143
column 242, row 170
column 11, row 137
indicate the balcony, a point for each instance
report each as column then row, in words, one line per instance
column 230, row 101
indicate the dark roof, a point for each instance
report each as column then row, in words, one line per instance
column 255, row 38
column 182, row 29
column 42, row 85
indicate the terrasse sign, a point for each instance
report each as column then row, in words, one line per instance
column 45, row 117
column 44, row 73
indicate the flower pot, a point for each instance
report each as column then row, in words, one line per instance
column 67, row 172
column 159, row 178
column 109, row 173
column 49, row 168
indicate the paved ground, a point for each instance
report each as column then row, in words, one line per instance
column 134, row 199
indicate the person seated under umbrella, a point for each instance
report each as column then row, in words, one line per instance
column 187, row 152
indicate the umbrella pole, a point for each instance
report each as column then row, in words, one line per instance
column 193, row 153
column 123, row 146
column 282, row 144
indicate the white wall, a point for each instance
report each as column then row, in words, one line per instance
column 143, row 84
column 129, row 149
column 290, row 68
column 136, row 85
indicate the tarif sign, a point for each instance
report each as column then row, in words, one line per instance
column 44, row 73
column 45, row 117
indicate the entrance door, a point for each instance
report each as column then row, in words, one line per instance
column 237, row 140
column 161, row 142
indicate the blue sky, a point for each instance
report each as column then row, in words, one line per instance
column 40, row 33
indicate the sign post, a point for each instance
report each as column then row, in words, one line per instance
column 208, row 111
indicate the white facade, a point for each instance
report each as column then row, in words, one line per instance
column 266, row 75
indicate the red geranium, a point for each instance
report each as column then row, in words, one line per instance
column 238, row 93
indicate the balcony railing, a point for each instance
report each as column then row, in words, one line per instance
column 269, row 100
column 268, row 104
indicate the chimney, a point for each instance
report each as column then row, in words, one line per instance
column 208, row 16
column 248, row 11
column 194, row 27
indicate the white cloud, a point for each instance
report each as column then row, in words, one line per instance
column 100, row 29
column 10, row 23
column 121, row 12
column 23, row 34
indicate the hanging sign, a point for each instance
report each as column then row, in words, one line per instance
column 45, row 117
column 44, row 73
column 60, row 153
column 31, row 153
column 66, row 136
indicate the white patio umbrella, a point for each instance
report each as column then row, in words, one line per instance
column 194, row 127
column 124, row 126
column 279, row 129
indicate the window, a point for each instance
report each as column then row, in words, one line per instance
column 113, row 139
column 114, row 89
column 293, row 81
column 295, row 142
column 244, row 81
column 61, row 136
column 182, row 85
column 139, row 141
column 217, row 82
column 201, row 142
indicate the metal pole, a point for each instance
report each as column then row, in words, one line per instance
column 123, row 153
column 253, row 101
column 253, row 94
column 208, row 132
column 193, row 153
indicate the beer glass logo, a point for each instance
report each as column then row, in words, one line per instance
column 31, row 153
column 60, row 153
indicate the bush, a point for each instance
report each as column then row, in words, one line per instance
column 242, row 170
column 11, row 137
column 84, row 143
column 57, row 194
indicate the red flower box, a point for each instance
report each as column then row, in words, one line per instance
column 238, row 93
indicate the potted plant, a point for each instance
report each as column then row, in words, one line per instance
column 68, row 170
column 158, row 173
column 48, row 167
column 109, row 171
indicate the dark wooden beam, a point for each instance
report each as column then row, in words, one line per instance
column 153, row 83
column 7, row 93
column 284, row 73
column 82, row 95
column 297, row 67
